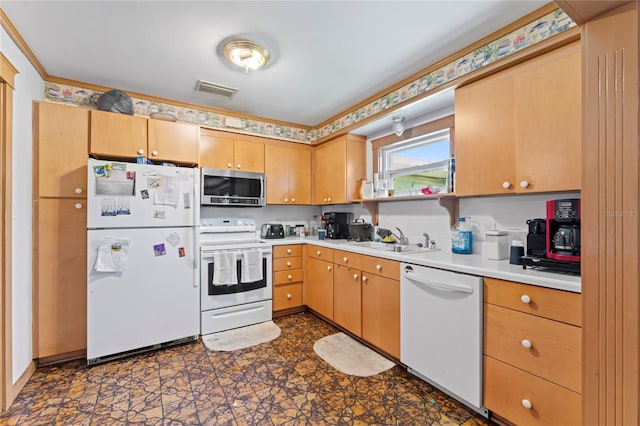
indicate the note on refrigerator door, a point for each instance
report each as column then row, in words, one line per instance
column 167, row 194
column 113, row 254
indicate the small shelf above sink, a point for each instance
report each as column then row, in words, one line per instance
column 448, row 200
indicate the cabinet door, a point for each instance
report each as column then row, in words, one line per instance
column 216, row 152
column 118, row 135
column 329, row 172
column 62, row 139
column 318, row 286
column 248, row 156
column 276, row 167
column 484, row 139
column 548, row 121
column 175, row 142
column 347, row 299
column 381, row 313
column 300, row 176
column 61, row 277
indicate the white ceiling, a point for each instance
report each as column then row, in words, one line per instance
column 326, row 55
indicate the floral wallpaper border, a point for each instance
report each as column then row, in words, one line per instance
column 541, row 29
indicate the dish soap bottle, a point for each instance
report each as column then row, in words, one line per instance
column 462, row 237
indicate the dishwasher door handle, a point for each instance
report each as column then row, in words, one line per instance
column 453, row 287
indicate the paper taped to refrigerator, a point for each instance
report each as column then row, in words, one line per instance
column 113, row 254
column 167, row 193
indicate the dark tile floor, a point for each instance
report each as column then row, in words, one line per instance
column 282, row 382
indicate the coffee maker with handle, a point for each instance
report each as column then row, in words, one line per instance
column 563, row 230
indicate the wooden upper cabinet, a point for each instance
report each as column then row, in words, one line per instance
column 519, row 131
column 61, row 141
column 338, row 168
column 118, row 135
column 219, row 150
column 174, row 142
column 288, row 170
column 484, row 145
column 548, row 122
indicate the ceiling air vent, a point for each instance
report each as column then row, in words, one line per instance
column 216, row 89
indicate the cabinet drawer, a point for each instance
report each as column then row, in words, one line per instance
column 555, row 347
column 506, row 387
column 321, row 253
column 287, row 251
column 287, row 296
column 345, row 258
column 285, row 277
column 287, row 263
column 386, row 268
column 546, row 302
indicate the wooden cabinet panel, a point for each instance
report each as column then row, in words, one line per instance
column 506, row 387
column 287, row 296
column 300, row 176
column 338, row 168
column 381, row 313
column 553, row 351
column 287, row 251
column 384, row 267
column 349, row 259
column 60, row 292
column 546, row 302
column 318, row 285
column 283, row 264
column 548, row 122
column 216, row 152
column 118, row 135
column 320, row 253
column 221, row 151
column 287, row 277
column 173, row 142
column 61, row 139
column 347, row 299
column 276, row 167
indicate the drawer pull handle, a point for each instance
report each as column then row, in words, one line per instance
column 78, row 206
column 526, row 344
column 524, row 184
column 289, row 277
column 286, row 200
column 378, row 267
column 355, row 276
column 78, row 190
column 526, row 404
column 288, row 251
column 141, row 151
column 288, row 263
column 318, row 253
column 364, row 279
column 293, row 200
column 328, row 268
column 345, row 259
column 525, row 299
column 289, row 296
column 154, row 153
column 238, row 166
column 506, row 184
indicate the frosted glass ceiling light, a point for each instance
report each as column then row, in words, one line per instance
column 246, row 54
column 398, row 125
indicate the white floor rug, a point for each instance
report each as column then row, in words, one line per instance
column 350, row 357
column 243, row 337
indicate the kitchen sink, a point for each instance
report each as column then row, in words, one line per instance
column 393, row 247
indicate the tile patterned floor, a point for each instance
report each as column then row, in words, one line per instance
column 282, row 382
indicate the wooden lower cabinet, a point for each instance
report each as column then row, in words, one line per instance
column 509, row 392
column 381, row 312
column 61, row 277
column 347, row 298
column 532, row 361
column 318, row 283
column 287, row 296
column 287, row 277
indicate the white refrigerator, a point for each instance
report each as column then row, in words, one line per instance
column 142, row 257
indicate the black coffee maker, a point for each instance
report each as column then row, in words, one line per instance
column 537, row 238
column 563, row 230
column 336, row 224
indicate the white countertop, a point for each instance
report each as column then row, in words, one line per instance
column 473, row 264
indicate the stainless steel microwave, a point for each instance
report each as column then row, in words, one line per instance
column 221, row 187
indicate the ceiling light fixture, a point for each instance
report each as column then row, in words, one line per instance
column 246, row 54
column 398, row 125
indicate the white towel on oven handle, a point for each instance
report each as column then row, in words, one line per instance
column 225, row 270
column 251, row 266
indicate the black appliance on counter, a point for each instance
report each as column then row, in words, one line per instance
column 336, row 224
column 359, row 230
column 553, row 243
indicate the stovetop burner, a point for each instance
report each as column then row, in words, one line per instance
column 551, row 265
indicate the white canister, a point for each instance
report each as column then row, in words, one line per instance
column 497, row 245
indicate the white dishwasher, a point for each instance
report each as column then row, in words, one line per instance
column 441, row 330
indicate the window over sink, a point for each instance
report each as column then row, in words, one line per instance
column 417, row 166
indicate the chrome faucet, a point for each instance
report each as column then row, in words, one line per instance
column 428, row 242
column 402, row 240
